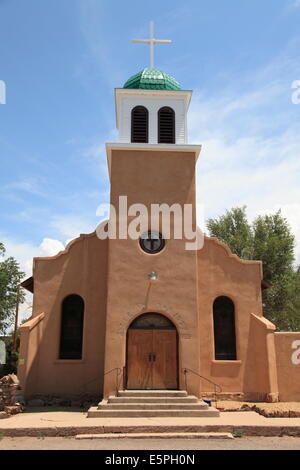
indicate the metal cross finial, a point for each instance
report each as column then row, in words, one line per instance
column 152, row 43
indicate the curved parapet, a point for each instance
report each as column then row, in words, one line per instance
column 231, row 256
column 81, row 237
column 229, row 252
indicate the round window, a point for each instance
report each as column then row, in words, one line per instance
column 152, row 242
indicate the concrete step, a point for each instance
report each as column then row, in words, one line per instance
column 200, row 405
column 158, row 435
column 152, row 393
column 186, row 399
column 151, row 404
column 94, row 412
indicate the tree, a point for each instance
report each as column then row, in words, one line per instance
column 10, row 278
column 234, row 230
column 270, row 240
column 274, row 245
column 293, row 304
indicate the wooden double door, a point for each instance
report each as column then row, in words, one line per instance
column 152, row 359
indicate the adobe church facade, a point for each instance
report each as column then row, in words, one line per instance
column 148, row 313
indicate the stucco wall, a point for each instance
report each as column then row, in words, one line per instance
column 220, row 273
column 150, row 177
column 82, row 270
column 112, row 278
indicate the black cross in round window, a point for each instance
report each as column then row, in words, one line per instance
column 152, row 242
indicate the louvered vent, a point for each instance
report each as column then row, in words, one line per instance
column 166, row 126
column 139, row 125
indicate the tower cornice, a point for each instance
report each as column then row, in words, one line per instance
column 110, row 146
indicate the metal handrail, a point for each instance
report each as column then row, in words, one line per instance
column 118, row 373
column 185, row 370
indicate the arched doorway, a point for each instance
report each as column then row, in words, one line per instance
column 152, row 353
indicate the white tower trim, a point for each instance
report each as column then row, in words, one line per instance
column 153, row 100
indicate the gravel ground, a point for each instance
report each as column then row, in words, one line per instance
column 268, row 407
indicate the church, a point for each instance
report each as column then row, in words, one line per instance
column 153, row 313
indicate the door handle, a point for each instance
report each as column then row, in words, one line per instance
column 152, row 357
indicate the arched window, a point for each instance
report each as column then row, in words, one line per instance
column 152, row 321
column 224, row 329
column 166, row 126
column 139, row 124
column 71, row 334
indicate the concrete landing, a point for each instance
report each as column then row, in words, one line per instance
column 51, row 422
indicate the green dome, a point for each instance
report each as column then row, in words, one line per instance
column 152, row 79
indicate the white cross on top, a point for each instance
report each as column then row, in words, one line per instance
column 152, row 41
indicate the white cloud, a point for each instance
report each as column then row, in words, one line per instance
column 71, row 226
column 24, row 254
column 263, row 188
column 250, row 146
column 50, row 247
column 28, row 185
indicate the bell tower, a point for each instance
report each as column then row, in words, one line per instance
column 152, row 165
column 164, row 104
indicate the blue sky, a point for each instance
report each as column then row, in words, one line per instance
column 62, row 59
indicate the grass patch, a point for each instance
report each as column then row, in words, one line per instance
column 238, row 433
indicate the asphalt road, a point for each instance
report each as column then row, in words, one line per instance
column 70, row 443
